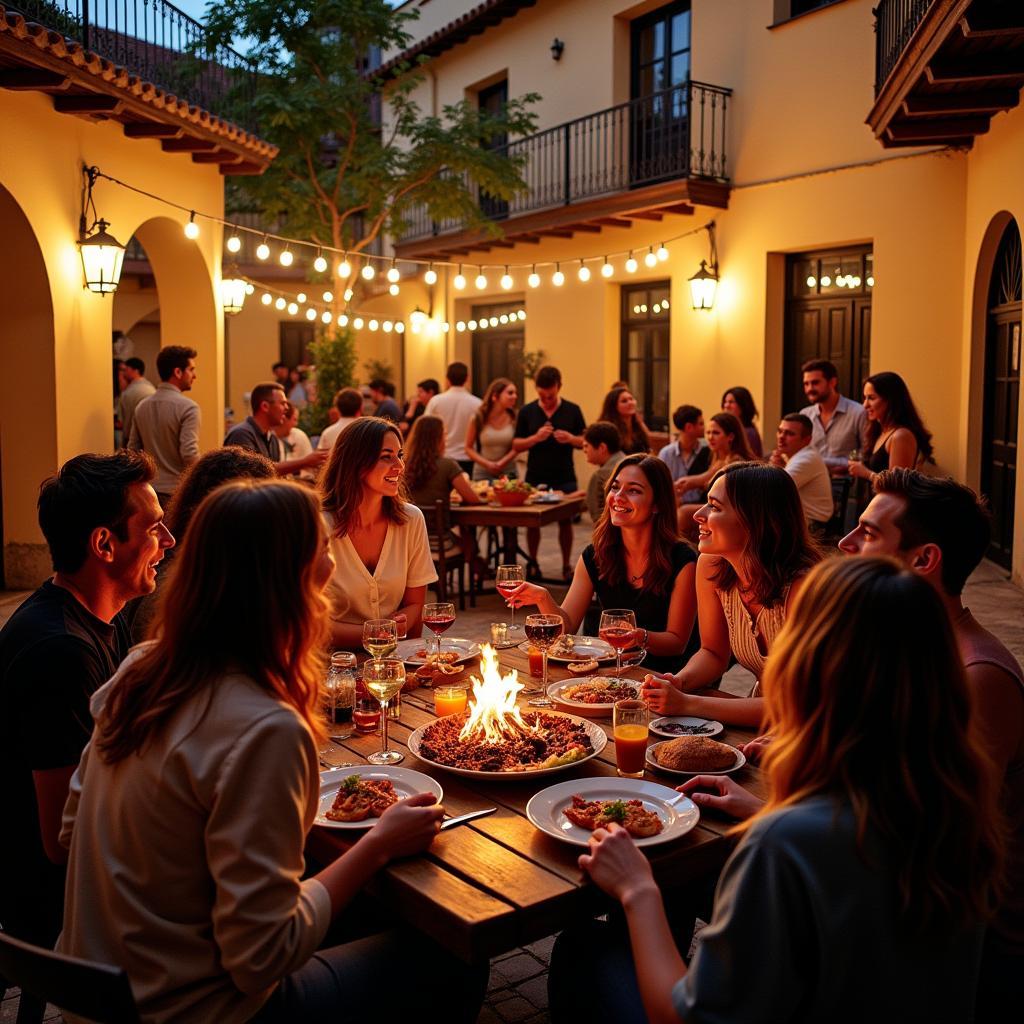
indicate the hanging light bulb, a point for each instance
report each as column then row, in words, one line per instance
column 286, row 258
column 446, row 327
column 293, row 308
column 606, row 268
column 344, row 269
column 311, row 313
column 393, row 274
column 662, row 253
column 393, row 289
column 480, row 281
column 319, row 264
column 328, row 296
column 493, row 321
column 650, row 260
column 325, row 316
column 263, row 250
column 266, row 298
column 459, row 281
column 472, row 325
column 811, row 281
column 503, row 319
column 358, row 323
column 348, row 294
column 233, row 244
column 250, row 288
column 664, row 303
column 368, row 272
column 534, row 279
column 482, row 325
column 373, row 325
column 386, row 326
column 583, row 273
column 280, row 303
column 631, row 265
column 460, row 326
column 399, row 327
column 343, row 320
column 430, row 277
column 506, row 280
column 558, row 278
column 192, row 228
column 301, row 297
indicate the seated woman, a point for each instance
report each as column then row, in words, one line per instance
column 872, row 866
column 190, row 808
column 728, row 444
column 636, row 561
column 490, row 432
column 620, row 408
column 896, row 436
column 739, row 402
column 754, row 554
column 379, row 542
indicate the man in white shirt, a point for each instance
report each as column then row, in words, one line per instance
column 456, row 407
column 134, row 388
column 349, row 404
column 837, row 423
column 794, row 453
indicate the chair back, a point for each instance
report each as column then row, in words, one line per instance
column 98, row 992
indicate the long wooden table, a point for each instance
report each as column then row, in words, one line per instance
column 497, row 883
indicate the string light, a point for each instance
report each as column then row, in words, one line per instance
column 393, row 289
column 583, row 273
column 481, row 280
column 319, row 264
column 393, row 275
column 192, row 228
column 430, row 277
column 343, row 320
column 325, row 316
column 662, row 253
column 301, row 297
column 459, row 281
column 263, row 250
column 233, row 244
column 328, row 296
column 506, row 280
column 310, row 313
column 344, row 269
column 387, row 326
column 485, row 323
column 293, row 308
column 606, row 268
column 358, row 323
column 347, row 296
column 471, row 325
column 631, row 265
column 280, row 304
column 286, row 258
column 558, row 278
column 399, row 327
column 373, row 325
column 534, row 279
column 368, row 272
column 650, row 260
column 266, row 298
column 460, row 325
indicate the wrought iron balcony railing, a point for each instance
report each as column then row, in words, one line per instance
column 156, row 41
column 895, row 22
column 676, row 133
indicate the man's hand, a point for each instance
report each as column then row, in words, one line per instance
column 545, row 432
column 564, row 437
column 314, row 459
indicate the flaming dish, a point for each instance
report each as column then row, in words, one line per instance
column 493, row 738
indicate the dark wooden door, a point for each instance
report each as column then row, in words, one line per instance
column 1002, row 394
column 497, row 348
column 645, row 350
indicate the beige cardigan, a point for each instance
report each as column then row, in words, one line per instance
column 186, row 860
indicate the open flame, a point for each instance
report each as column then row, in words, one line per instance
column 493, row 714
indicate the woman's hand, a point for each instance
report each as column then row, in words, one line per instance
column 724, row 794
column 527, row 594
column 407, row 827
column 661, row 693
column 860, row 471
column 754, row 750
column 615, row 864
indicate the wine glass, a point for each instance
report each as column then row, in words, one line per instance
column 380, row 637
column 437, row 617
column 507, row 580
column 542, row 631
column 618, row 628
column 383, row 678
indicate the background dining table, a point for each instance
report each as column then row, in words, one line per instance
column 497, row 883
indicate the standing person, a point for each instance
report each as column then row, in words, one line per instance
column 456, row 407
column 282, row 375
column 258, row 434
column 601, row 448
column 689, row 454
column 490, row 431
column 383, row 394
column 166, row 425
column 416, row 406
column 295, row 443
column 874, row 863
column 740, row 403
column 838, row 423
column 619, row 407
column 755, row 552
column 134, row 389
column 896, row 436
column 296, row 388
column 550, row 428
column 192, row 803
column 794, row 453
column 348, row 404
column 379, row 542
column 104, row 528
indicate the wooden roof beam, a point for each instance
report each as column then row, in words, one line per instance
column 953, row 104
column 945, row 128
column 33, row 78
column 187, row 144
column 644, row 215
column 614, row 222
column 152, row 130
column 90, row 103
column 983, row 67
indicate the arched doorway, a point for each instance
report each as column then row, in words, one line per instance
column 1002, row 392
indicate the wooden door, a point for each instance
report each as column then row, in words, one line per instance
column 498, row 347
column 1002, row 394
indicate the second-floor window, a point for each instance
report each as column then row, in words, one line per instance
column 661, row 49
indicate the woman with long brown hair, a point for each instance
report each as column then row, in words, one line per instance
column 190, row 808
column 379, row 542
column 490, row 431
column 754, row 554
column 897, row 437
column 739, row 402
column 870, row 870
column 636, row 561
column 620, row 408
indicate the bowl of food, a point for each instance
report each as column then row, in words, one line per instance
column 511, row 492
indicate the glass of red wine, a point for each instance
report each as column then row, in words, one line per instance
column 437, row 617
column 618, row 628
column 508, row 579
column 542, row 631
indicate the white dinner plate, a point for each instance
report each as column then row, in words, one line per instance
column 556, row 691
column 678, row 813
column 405, row 780
column 547, row 498
column 694, row 726
column 407, row 649
column 740, row 762
column 584, row 648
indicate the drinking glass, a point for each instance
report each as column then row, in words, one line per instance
column 507, row 580
column 618, row 628
column 380, row 637
column 437, row 617
column 542, row 631
column 856, row 455
column 383, row 678
column 629, row 729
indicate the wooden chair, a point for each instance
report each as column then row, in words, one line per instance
column 448, row 562
column 96, row 991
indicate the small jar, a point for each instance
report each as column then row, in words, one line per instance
column 340, row 687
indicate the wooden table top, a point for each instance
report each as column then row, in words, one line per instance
column 535, row 514
column 498, row 883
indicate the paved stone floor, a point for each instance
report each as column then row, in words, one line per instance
column 517, row 991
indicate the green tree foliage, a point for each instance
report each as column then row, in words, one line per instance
column 334, row 356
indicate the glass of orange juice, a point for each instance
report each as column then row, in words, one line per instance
column 629, row 730
column 449, row 700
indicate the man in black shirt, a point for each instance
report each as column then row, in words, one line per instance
column 550, row 429
column 104, row 527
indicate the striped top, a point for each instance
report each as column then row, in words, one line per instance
column 745, row 630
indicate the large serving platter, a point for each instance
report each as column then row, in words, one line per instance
column 557, row 692
column 598, row 741
column 406, row 782
column 584, row 648
column 407, row 650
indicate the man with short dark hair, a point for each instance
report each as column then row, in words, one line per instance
column 456, row 407
column 281, row 374
column 838, row 424
column 166, row 424
column 550, row 428
column 688, row 455
column 383, row 394
column 794, row 453
column 941, row 531
column 134, row 388
column 257, row 431
column 348, row 403
column 602, row 447
column 104, row 528
column 417, row 406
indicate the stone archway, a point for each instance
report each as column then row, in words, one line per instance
column 28, row 415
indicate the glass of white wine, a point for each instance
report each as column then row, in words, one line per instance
column 380, row 637
column 383, row 679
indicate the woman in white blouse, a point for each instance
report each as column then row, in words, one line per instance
column 379, row 542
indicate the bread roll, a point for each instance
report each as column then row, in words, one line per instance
column 695, row 754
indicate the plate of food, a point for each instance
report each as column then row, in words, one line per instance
column 695, row 755
column 453, row 650
column 595, row 695
column 571, row 649
column 433, row 672
column 650, row 812
column 356, row 797
column 547, row 498
column 671, row 726
column 529, row 743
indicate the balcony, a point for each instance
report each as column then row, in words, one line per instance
column 943, row 68
column 141, row 62
column 656, row 155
